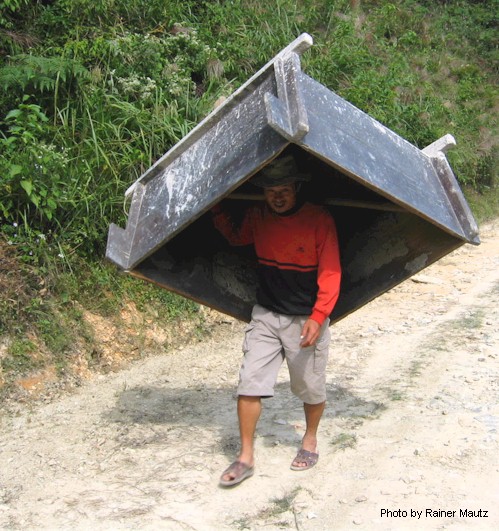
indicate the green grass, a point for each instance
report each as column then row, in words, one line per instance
column 20, row 356
column 473, row 320
column 277, row 507
column 344, row 440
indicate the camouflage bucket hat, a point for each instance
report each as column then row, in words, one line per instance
column 279, row 172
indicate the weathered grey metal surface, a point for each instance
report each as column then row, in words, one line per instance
column 229, row 145
column 397, row 208
column 378, row 158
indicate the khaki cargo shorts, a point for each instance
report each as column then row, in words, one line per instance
column 270, row 338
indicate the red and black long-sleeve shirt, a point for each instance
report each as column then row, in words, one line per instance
column 298, row 257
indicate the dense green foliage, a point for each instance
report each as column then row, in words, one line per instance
column 94, row 92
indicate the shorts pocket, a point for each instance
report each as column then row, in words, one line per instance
column 247, row 332
column 321, row 352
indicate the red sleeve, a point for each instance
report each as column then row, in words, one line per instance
column 329, row 272
column 242, row 235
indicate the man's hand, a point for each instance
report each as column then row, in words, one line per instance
column 310, row 333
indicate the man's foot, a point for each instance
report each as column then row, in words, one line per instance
column 304, row 460
column 236, row 473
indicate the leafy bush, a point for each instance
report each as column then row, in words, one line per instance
column 32, row 172
column 8, row 9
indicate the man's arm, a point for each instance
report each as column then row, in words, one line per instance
column 242, row 235
column 328, row 280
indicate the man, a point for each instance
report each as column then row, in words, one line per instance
column 299, row 278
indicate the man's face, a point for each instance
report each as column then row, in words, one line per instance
column 280, row 198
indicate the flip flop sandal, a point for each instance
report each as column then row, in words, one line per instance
column 239, row 472
column 309, row 459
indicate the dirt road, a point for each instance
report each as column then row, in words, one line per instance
column 409, row 439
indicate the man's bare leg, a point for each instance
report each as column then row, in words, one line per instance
column 248, row 411
column 313, row 415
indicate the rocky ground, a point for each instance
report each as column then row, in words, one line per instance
column 409, row 439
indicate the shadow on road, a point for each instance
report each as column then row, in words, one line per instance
column 169, row 409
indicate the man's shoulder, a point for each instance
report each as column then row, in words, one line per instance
column 313, row 209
